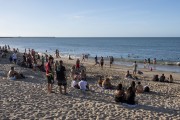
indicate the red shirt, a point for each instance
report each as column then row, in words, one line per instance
column 48, row 68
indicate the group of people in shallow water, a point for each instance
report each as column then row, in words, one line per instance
column 101, row 63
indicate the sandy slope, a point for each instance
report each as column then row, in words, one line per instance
column 28, row 98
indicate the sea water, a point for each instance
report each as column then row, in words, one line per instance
column 165, row 49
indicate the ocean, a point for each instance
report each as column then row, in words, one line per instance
column 124, row 49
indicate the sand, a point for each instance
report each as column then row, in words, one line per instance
column 28, row 98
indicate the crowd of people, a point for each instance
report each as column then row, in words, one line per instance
column 55, row 70
column 4, row 50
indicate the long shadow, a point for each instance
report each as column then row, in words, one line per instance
column 137, row 107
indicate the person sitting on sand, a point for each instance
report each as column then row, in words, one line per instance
column 83, row 74
column 74, row 83
column 107, row 84
column 139, row 88
column 12, row 74
column 128, row 75
column 133, row 85
column 119, row 94
column 170, row 79
column 130, row 96
column 162, row 78
column 73, row 71
column 100, row 81
column 155, row 78
column 83, row 84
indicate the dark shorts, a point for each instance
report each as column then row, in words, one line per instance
column 102, row 64
column 50, row 79
column 62, row 83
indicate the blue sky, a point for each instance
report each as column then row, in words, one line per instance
column 90, row 18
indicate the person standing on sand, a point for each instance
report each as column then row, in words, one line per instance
column 49, row 74
column 145, row 63
column 135, row 67
column 149, row 62
column 111, row 60
column 102, row 62
column 96, row 60
column 154, row 63
column 83, row 58
column 61, row 76
column 77, row 64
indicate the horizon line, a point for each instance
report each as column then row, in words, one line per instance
column 81, row 37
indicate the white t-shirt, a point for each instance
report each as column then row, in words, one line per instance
column 82, row 85
column 14, row 56
column 74, row 83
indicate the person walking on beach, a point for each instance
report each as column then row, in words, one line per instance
column 96, row 60
column 134, row 67
column 49, row 74
column 111, row 61
column 145, row 63
column 61, row 76
column 102, row 62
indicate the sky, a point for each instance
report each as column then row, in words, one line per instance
column 90, row 18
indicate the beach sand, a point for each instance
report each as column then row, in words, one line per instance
column 28, row 98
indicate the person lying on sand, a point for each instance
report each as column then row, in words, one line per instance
column 13, row 75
